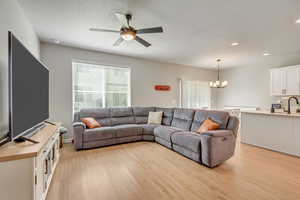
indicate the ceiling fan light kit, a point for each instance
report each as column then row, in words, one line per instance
column 128, row 33
column 218, row 83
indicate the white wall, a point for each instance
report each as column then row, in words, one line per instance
column 12, row 19
column 249, row 86
column 144, row 75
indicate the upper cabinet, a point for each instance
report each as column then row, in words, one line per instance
column 276, row 82
column 292, row 76
column 285, row 81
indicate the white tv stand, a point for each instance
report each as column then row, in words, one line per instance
column 26, row 169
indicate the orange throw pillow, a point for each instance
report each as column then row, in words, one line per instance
column 208, row 125
column 91, row 122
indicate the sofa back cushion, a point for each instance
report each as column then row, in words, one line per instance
column 221, row 117
column 167, row 115
column 233, row 124
column 76, row 117
column 102, row 115
column 141, row 114
column 183, row 118
column 122, row 116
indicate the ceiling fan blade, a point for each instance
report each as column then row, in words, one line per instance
column 150, row 30
column 122, row 19
column 104, row 30
column 119, row 41
column 142, row 41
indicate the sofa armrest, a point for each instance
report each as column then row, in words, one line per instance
column 78, row 130
column 76, row 124
column 217, row 146
column 218, row 133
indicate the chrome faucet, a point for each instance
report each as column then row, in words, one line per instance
column 289, row 103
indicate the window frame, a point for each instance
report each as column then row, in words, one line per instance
column 105, row 66
column 181, row 92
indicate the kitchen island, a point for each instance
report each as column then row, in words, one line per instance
column 275, row 131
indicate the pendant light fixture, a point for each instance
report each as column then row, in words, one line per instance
column 218, row 83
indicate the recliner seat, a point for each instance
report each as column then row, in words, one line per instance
column 177, row 131
column 163, row 135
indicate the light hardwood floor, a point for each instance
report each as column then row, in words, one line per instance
column 148, row 171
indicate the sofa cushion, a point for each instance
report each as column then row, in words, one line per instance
column 141, row 119
column 121, row 112
column 102, row 133
column 165, row 132
column 148, row 137
column 76, row 117
column 167, row 115
column 148, row 129
column 208, row 125
column 188, row 140
column 163, row 142
column 102, row 115
column 233, row 124
column 142, row 111
column 91, row 122
column 122, row 120
column 128, row 130
column 220, row 117
column 141, row 114
column 183, row 118
column 155, row 117
column 196, row 156
column 121, row 116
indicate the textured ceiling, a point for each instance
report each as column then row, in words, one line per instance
column 196, row 32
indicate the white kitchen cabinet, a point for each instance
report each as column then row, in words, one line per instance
column 276, row 82
column 285, row 81
column 292, row 76
column 278, row 132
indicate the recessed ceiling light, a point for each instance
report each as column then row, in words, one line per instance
column 234, row 44
column 298, row 21
column 266, row 54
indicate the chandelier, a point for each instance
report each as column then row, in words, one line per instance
column 218, row 83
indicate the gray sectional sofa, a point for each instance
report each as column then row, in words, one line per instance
column 177, row 131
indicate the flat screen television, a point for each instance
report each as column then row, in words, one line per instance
column 28, row 90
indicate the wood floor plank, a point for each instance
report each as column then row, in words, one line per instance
column 149, row 171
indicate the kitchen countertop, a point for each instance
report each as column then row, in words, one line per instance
column 265, row 112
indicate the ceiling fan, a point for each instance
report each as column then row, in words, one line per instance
column 128, row 32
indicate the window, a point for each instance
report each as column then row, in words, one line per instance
column 98, row 86
column 195, row 94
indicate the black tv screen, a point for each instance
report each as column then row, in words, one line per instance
column 28, row 89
